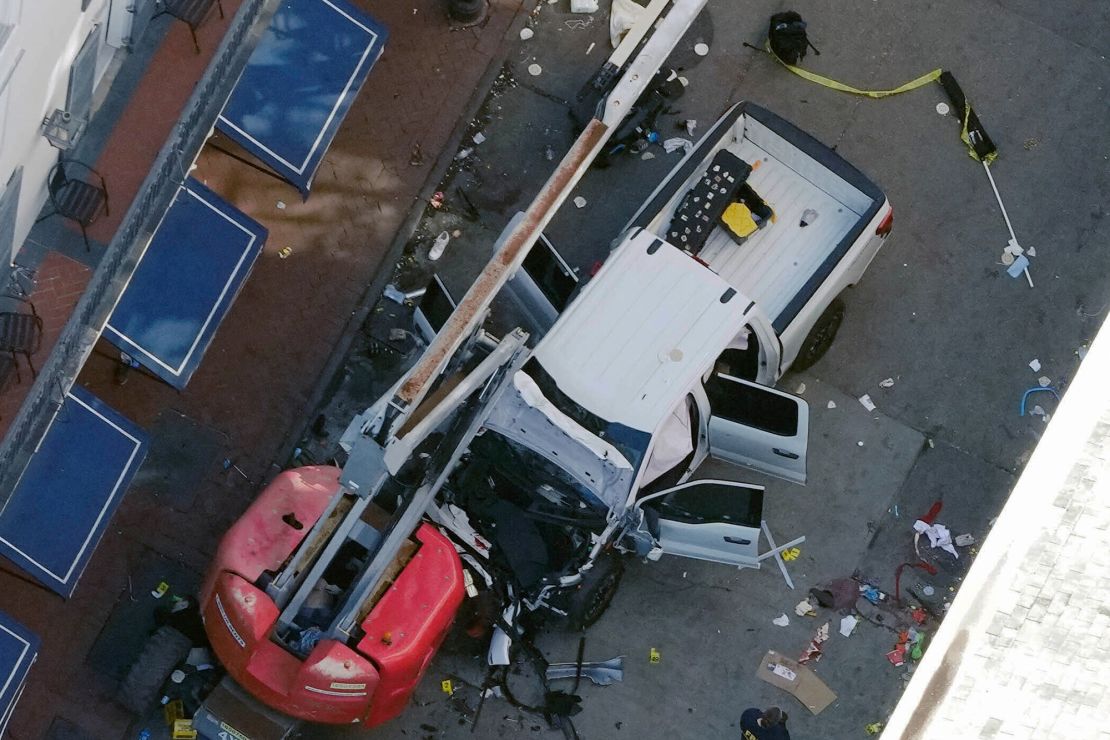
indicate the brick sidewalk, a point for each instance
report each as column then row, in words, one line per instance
column 256, row 381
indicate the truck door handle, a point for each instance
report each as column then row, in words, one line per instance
column 785, row 453
column 737, row 541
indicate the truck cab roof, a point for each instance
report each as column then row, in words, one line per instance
column 641, row 332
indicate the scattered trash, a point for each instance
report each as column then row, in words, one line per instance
column 690, row 124
column 479, row 138
column 590, row 47
column 943, row 109
column 872, row 594
column 790, row 554
column 526, row 33
column 535, row 70
column 446, row 686
column 813, row 650
column 160, row 590
column 438, row 197
column 701, row 49
column 549, row 153
column 938, row 535
column 647, row 155
column 1019, row 267
column 876, row 727
column 801, row 389
column 394, row 294
column 805, row 609
column 579, row 201
column 654, row 656
column 928, row 590
column 463, row 154
column 847, row 624
column 965, row 540
column 1044, row 381
column 801, row 682
column 1025, row 396
column 281, row 205
column 1035, row 365
column 781, row 621
column 416, row 157
column 808, row 216
column 868, row 404
column 439, row 245
column 672, row 145
column 888, row 383
column 860, row 443
column 831, row 405
column 601, row 673
column 1037, row 411
column 583, row 6
column 284, row 252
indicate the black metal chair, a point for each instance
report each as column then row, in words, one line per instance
column 21, row 334
column 77, row 192
column 191, row 12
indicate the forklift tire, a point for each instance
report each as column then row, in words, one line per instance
column 593, row 596
column 820, row 337
column 139, row 689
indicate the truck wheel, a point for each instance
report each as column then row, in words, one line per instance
column 163, row 651
column 821, row 336
column 595, row 593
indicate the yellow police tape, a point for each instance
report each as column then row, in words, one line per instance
column 834, row 85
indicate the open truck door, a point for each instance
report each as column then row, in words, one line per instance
column 757, row 427
column 712, row 520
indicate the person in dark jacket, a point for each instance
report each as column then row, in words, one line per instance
column 764, row 724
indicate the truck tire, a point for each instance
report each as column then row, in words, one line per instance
column 163, row 651
column 821, row 336
column 595, row 593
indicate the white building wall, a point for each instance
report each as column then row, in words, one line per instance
column 45, row 36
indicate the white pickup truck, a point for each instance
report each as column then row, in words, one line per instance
column 665, row 358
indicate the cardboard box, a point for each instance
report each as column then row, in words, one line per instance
column 797, row 679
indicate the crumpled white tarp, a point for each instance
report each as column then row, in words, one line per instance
column 938, row 535
column 622, row 17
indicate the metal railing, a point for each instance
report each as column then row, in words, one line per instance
column 122, row 254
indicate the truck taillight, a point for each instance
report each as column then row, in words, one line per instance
column 886, row 224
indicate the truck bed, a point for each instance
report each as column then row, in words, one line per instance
column 780, row 265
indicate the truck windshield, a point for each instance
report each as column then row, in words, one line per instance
column 632, row 443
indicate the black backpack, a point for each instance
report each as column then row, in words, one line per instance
column 787, row 35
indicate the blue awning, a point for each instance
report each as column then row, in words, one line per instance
column 18, row 649
column 299, row 83
column 185, row 282
column 69, row 490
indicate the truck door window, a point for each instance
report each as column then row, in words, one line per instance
column 707, row 502
column 754, row 407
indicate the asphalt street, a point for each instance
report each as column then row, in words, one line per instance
column 936, row 313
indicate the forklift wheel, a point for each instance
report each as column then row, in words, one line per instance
column 599, row 585
column 821, row 336
column 163, row 651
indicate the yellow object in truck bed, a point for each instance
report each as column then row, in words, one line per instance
column 738, row 221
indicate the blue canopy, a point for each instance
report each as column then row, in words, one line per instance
column 18, row 649
column 185, row 282
column 299, row 83
column 69, row 490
